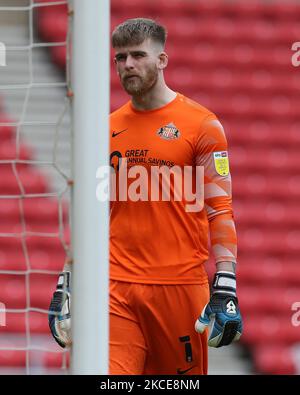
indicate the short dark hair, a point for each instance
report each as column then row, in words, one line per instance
column 137, row 30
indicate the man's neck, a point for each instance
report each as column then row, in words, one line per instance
column 156, row 98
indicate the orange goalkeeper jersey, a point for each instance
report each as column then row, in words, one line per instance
column 156, row 240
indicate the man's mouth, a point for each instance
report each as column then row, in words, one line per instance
column 130, row 76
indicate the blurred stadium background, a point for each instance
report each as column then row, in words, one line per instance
column 231, row 56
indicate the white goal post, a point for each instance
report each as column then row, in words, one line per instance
column 90, row 26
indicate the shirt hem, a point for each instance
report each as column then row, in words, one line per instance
column 160, row 281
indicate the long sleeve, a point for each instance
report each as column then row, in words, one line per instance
column 211, row 153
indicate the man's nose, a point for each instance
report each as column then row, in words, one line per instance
column 129, row 62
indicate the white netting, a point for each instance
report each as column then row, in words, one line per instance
column 34, row 185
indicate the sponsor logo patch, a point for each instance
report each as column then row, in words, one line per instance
column 180, row 371
column 114, row 133
column 221, row 163
column 169, row 132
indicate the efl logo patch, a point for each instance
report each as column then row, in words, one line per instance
column 221, row 163
column 169, row 132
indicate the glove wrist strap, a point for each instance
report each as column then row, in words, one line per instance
column 224, row 282
column 64, row 280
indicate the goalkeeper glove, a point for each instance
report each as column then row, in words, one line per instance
column 59, row 317
column 222, row 312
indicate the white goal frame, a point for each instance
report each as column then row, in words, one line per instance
column 90, row 77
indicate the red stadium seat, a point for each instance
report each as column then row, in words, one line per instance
column 274, row 240
column 261, row 267
column 52, row 23
column 9, row 210
column 247, row 56
column 263, row 133
column 259, row 185
column 43, row 207
column 12, row 358
column 20, row 254
column 12, row 291
column 12, row 260
column 11, row 243
column 28, row 178
column 32, row 181
column 44, row 243
column 57, row 359
column 266, row 213
column 17, row 358
column 234, row 58
column 274, row 329
column 266, row 160
column 275, row 359
column 55, row 25
column 15, row 288
column 8, row 181
column 6, row 130
column 8, row 151
column 261, row 300
column 47, row 260
column 59, row 55
column 17, row 323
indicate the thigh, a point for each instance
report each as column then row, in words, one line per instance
column 167, row 316
column 127, row 348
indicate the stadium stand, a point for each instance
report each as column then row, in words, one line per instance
column 235, row 58
column 22, row 253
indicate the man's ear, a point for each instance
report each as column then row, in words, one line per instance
column 162, row 60
column 115, row 63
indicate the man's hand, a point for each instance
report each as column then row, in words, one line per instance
column 222, row 312
column 59, row 317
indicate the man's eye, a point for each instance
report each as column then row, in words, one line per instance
column 120, row 58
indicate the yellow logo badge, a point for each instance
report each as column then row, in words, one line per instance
column 221, row 163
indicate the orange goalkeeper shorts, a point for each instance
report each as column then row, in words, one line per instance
column 152, row 329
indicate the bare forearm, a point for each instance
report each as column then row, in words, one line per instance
column 68, row 266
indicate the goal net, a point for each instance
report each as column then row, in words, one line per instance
column 36, row 182
column 35, row 190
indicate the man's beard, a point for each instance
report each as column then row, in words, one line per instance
column 137, row 86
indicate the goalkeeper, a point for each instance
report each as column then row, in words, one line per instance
column 162, row 315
